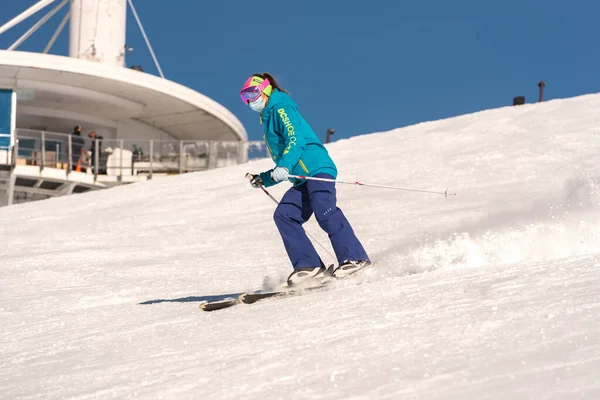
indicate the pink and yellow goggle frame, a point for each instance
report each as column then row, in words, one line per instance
column 251, row 93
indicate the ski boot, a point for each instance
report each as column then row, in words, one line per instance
column 308, row 277
column 349, row 268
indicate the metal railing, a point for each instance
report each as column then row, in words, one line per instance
column 128, row 157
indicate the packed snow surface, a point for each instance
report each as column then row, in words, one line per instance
column 490, row 294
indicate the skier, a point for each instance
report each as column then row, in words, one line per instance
column 296, row 149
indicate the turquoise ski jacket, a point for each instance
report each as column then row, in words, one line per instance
column 291, row 141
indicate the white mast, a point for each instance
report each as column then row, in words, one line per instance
column 97, row 31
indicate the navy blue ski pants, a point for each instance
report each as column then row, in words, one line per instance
column 297, row 206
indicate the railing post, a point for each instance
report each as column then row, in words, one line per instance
column 151, row 157
column 213, row 154
column 243, row 152
column 181, row 157
column 10, row 190
column 96, row 159
column 209, row 154
column 43, row 151
column 15, row 154
column 121, row 163
column 70, row 154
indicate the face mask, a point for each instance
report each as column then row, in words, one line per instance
column 258, row 105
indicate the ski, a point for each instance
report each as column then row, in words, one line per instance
column 218, row 305
column 253, row 297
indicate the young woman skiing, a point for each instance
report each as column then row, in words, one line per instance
column 297, row 150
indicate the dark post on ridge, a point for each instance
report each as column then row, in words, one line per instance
column 330, row 132
column 541, row 85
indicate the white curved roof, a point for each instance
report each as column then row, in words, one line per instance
column 79, row 86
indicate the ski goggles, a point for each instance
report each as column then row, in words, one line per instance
column 251, row 93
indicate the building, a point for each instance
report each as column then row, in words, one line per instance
column 145, row 126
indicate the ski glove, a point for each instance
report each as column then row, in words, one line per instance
column 255, row 180
column 280, row 174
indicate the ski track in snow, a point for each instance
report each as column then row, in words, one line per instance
column 490, row 294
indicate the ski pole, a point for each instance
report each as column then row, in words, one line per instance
column 249, row 176
column 311, row 178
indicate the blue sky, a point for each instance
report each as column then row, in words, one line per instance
column 363, row 66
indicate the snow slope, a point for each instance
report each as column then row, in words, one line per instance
column 489, row 294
